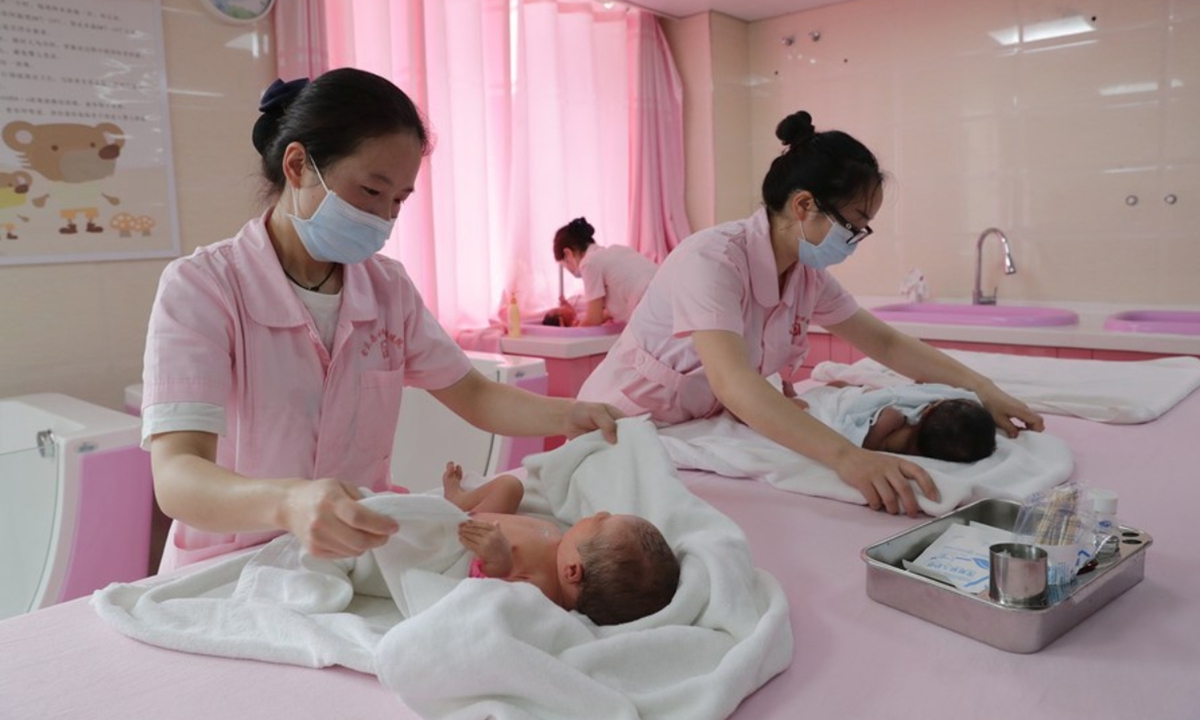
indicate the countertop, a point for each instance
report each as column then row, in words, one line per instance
column 557, row 348
column 1089, row 333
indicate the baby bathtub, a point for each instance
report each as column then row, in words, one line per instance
column 75, row 500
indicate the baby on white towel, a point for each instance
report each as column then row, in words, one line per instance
column 930, row 420
column 612, row 568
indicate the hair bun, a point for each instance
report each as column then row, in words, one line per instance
column 581, row 227
column 273, row 105
column 279, row 95
column 795, row 129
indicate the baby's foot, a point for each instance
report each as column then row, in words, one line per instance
column 452, row 482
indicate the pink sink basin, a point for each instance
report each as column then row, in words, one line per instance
column 990, row 315
column 1175, row 322
column 571, row 332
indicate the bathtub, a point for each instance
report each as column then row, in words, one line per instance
column 75, row 500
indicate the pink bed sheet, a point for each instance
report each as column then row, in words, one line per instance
column 1137, row 657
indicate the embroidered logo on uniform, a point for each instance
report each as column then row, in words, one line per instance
column 799, row 327
column 385, row 339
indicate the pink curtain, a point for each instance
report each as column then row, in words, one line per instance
column 300, row 39
column 658, row 213
column 531, row 103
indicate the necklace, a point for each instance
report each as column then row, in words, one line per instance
column 314, row 288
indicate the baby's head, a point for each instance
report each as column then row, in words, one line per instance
column 956, row 430
column 617, row 568
column 559, row 317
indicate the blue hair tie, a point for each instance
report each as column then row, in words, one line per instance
column 279, row 95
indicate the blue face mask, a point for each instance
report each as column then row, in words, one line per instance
column 339, row 232
column 833, row 249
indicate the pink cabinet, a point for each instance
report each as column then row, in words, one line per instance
column 564, row 379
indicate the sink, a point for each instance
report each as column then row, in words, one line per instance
column 532, row 330
column 989, row 315
column 1175, row 322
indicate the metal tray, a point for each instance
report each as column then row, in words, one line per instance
column 978, row 616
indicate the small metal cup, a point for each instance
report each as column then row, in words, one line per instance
column 1018, row 575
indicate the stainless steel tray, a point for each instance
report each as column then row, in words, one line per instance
column 978, row 616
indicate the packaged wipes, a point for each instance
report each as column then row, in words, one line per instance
column 960, row 556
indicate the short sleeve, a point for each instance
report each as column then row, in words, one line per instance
column 189, row 342
column 591, row 271
column 707, row 293
column 833, row 304
column 432, row 360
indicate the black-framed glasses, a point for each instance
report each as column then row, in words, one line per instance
column 857, row 234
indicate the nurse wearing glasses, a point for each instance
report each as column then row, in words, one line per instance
column 732, row 305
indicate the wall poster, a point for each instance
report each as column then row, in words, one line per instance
column 85, row 147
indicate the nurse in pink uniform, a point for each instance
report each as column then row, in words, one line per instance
column 614, row 277
column 276, row 360
column 732, row 305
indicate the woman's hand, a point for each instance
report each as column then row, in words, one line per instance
column 328, row 519
column 1005, row 408
column 585, row 417
column 884, row 480
column 486, row 540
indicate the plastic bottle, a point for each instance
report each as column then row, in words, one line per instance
column 514, row 316
column 1108, row 531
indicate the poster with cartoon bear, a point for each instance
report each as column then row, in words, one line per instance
column 85, row 147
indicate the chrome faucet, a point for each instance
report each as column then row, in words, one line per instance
column 977, row 297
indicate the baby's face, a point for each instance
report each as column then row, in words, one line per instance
column 902, row 440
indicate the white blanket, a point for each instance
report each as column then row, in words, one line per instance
column 454, row 649
column 722, row 445
column 1122, row 393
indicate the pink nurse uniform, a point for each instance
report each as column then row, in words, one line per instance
column 723, row 278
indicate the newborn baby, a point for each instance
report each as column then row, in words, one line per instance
column 931, row 420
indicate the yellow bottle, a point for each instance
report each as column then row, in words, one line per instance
column 514, row 316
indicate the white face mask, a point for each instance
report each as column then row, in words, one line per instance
column 338, row 231
column 833, row 249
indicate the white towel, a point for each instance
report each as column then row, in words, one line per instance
column 488, row 647
column 1122, row 393
column 722, row 445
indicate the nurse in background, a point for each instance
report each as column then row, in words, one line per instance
column 614, row 277
column 276, row 359
column 732, row 305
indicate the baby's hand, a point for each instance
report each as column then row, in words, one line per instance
column 487, row 541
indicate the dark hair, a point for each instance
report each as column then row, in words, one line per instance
column 331, row 116
column 626, row 579
column 833, row 166
column 956, row 430
column 577, row 235
column 553, row 318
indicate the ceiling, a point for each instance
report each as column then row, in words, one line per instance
column 748, row 10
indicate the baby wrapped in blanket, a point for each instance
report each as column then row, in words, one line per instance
column 930, row 420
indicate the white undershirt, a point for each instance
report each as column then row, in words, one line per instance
column 210, row 418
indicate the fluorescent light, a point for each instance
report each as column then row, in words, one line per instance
column 1129, row 88
column 1048, row 30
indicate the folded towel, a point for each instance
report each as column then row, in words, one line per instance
column 722, row 445
column 450, row 648
column 1122, row 393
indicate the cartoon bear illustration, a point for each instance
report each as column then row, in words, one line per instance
column 74, row 158
column 14, row 191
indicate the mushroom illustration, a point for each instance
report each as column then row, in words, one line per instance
column 143, row 224
column 123, row 223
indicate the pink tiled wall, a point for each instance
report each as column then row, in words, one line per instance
column 1044, row 138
